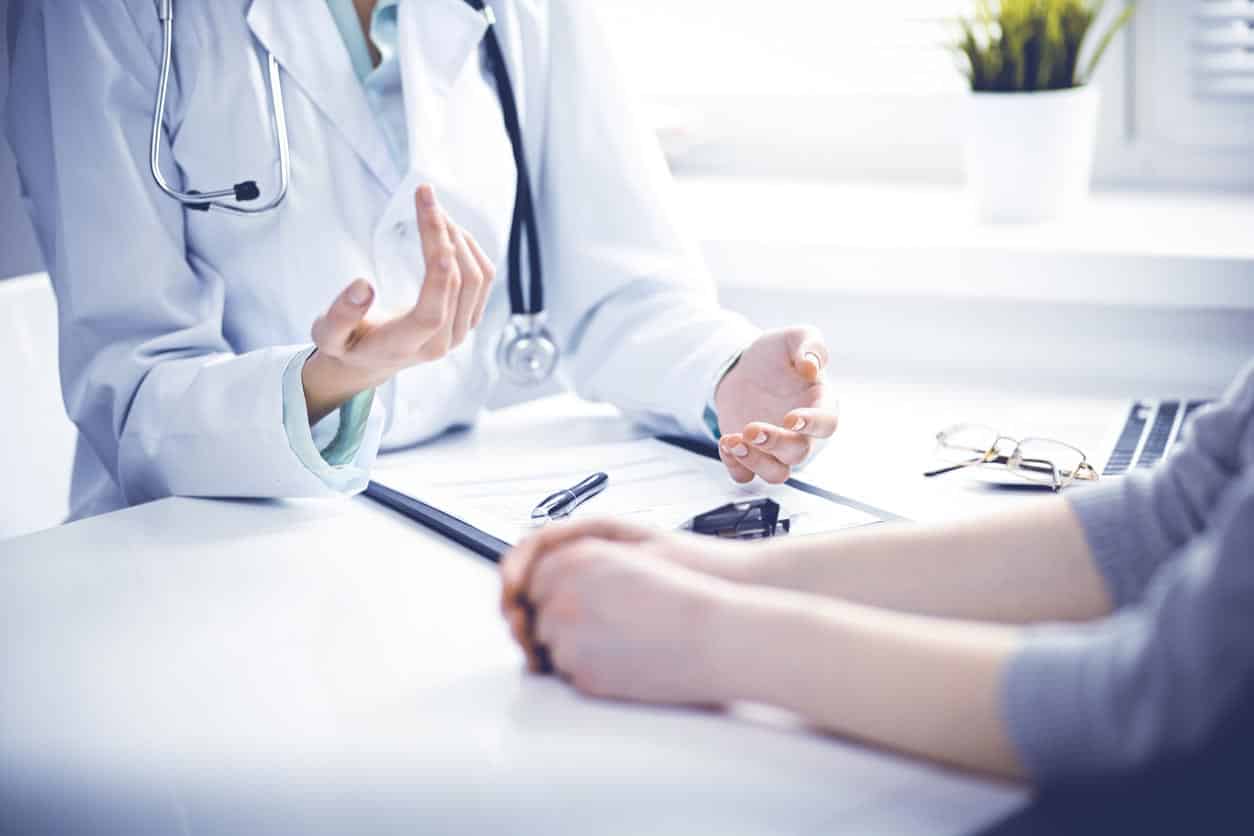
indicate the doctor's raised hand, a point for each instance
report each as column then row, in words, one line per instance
column 774, row 406
column 355, row 354
column 185, row 353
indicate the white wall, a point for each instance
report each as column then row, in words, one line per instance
column 18, row 252
column 1063, row 347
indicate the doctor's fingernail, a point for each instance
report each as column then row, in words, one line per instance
column 798, row 424
column 814, row 358
column 359, row 293
column 760, row 438
column 740, row 451
column 426, row 196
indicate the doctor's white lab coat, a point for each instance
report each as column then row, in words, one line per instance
column 177, row 326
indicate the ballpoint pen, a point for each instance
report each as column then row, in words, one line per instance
column 561, row 504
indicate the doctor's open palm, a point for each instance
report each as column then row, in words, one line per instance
column 774, row 406
column 355, row 354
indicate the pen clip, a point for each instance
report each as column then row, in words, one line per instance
column 554, row 506
column 558, row 505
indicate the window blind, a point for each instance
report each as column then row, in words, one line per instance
column 1223, row 49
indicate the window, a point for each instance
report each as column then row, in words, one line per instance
column 870, row 89
column 805, row 86
column 1223, row 49
column 1187, row 120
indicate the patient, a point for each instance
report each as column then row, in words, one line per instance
column 931, row 639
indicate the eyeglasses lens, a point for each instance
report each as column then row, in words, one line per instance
column 1039, row 459
column 966, row 443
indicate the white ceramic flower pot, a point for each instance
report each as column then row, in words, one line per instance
column 1029, row 156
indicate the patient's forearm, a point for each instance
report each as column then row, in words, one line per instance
column 925, row 686
column 1029, row 565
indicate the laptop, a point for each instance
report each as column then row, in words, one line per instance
column 1146, row 433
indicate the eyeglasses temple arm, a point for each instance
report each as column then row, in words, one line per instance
column 942, row 471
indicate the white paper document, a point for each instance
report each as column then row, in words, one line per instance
column 650, row 482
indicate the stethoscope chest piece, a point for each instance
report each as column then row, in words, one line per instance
column 527, row 353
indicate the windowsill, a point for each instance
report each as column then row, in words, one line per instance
column 1122, row 248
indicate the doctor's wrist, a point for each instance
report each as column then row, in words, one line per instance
column 330, row 383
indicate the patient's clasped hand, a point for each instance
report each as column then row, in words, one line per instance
column 943, row 641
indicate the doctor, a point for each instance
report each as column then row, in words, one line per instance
column 400, row 152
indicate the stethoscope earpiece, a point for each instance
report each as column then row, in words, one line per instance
column 242, row 193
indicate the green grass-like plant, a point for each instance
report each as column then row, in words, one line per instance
column 1013, row 46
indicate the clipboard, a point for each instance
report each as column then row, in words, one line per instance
column 493, row 548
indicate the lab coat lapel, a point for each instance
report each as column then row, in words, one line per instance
column 435, row 39
column 302, row 36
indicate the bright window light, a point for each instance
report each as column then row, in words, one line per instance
column 872, row 90
column 745, row 47
column 807, row 88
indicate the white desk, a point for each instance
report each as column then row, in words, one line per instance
column 323, row 667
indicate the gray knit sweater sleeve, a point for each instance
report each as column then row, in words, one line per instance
column 1177, row 553
column 1136, row 524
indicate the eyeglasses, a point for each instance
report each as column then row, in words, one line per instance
column 1044, row 461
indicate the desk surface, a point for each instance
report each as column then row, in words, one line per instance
column 329, row 667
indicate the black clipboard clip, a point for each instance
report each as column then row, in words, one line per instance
column 753, row 519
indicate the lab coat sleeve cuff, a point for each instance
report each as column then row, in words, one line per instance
column 337, row 461
column 711, row 364
column 709, row 415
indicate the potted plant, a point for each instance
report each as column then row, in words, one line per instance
column 1032, row 113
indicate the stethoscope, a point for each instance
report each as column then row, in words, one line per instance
column 527, row 353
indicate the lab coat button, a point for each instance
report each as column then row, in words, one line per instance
column 400, row 229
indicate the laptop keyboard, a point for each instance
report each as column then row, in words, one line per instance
column 1151, row 429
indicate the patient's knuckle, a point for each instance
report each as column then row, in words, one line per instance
column 561, row 654
column 589, row 681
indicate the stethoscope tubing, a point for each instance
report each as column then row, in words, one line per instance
column 527, row 352
column 278, row 124
column 524, row 220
